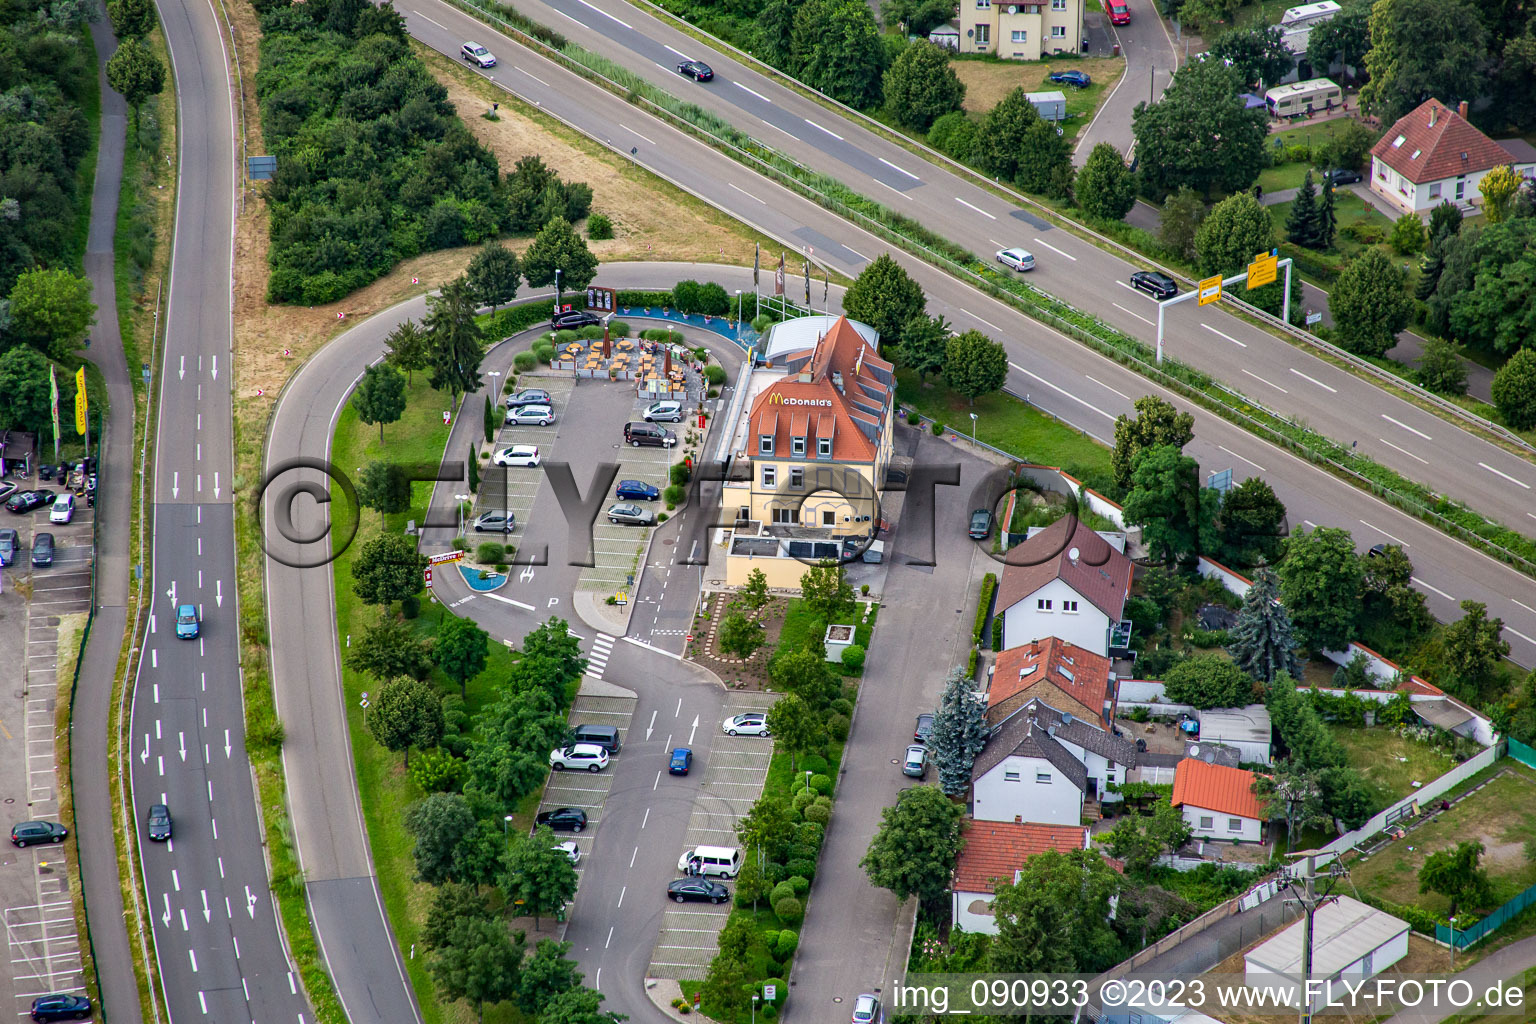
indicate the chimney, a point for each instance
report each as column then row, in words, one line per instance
column 1461, row 108
column 1018, row 819
column 1434, row 112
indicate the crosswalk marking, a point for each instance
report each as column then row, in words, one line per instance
column 597, row 658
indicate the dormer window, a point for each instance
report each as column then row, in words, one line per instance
column 824, row 447
column 797, row 446
column 765, row 444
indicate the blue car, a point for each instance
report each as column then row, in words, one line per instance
column 1076, row 79
column 682, row 760
column 634, row 490
column 186, row 622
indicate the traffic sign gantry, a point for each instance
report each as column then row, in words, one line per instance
column 1210, row 290
column 1263, row 269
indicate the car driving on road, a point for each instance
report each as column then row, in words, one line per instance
column 574, row 319
column 563, row 819
column 1159, row 286
column 631, row 515
column 981, row 524
column 517, row 455
column 696, row 70
column 1016, row 259
column 682, row 760
column 477, row 55
column 30, row 833
column 685, row 889
column 186, row 622
column 753, row 723
column 159, row 823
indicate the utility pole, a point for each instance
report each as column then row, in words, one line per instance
column 1300, row 882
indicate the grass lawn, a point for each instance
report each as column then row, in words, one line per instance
column 987, row 82
column 1349, row 209
column 1007, row 423
column 1390, row 763
column 1502, row 816
column 1290, row 175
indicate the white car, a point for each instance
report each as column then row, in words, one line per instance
column 580, row 755
column 664, row 412
column 753, row 723
column 572, row 851
column 541, row 415
column 477, row 55
column 1016, row 259
column 517, row 455
column 63, row 508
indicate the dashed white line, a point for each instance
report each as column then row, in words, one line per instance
column 1138, row 316
column 893, row 188
column 978, row 209
column 1062, row 390
column 829, row 131
column 857, row 253
column 605, row 14
column 902, row 170
column 633, row 132
column 1436, row 589
column 423, row 17
column 749, row 89
column 1055, row 250
column 1101, row 384
column 776, row 128
column 1405, row 451
column 680, row 53
column 1384, row 533
column 533, row 76
column 1223, row 334
column 1519, row 634
column 1271, row 383
column 989, row 323
column 1314, row 380
column 1505, row 475
column 1400, row 423
column 1250, row 462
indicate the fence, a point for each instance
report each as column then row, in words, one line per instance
column 1464, row 937
column 1522, row 753
column 1212, row 569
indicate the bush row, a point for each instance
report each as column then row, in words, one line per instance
column 983, row 603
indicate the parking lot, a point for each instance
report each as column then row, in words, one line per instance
column 598, row 704
column 733, row 780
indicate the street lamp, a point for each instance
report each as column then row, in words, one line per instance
column 493, row 374
column 973, row 428
column 506, row 829
column 557, row 291
column 738, row 316
column 460, row 499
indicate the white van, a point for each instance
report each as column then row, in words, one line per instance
column 721, row 861
column 1301, row 99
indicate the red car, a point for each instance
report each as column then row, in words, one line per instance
column 1119, row 13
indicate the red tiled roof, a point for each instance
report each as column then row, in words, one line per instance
column 994, row 850
column 1101, row 574
column 1437, row 143
column 1041, row 663
column 1216, row 788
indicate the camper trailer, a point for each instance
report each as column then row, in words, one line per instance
column 1302, row 99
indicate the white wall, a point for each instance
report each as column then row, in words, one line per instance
column 996, row 798
column 1087, row 627
column 1251, row 832
column 1382, row 957
column 962, row 915
column 1211, row 569
column 1098, row 768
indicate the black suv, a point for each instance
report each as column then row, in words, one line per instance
column 574, row 320
column 1159, row 286
column 61, row 1006
column 29, row 832
column 563, row 819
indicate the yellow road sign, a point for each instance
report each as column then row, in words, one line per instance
column 1210, row 289
column 1262, row 270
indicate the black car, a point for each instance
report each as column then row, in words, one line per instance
column 61, row 1006
column 574, row 320
column 42, row 550
column 29, row 833
column 1340, row 176
column 685, row 889
column 923, row 729
column 981, row 524
column 563, row 819
column 159, row 823
column 528, row 396
column 1159, row 286
column 696, row 70
column 26, row 501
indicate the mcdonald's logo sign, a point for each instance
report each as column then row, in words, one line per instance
column 778, row 399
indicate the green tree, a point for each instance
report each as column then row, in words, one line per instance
column 1422, row 49
column 1350, row 142
column 920, row 86
column 1251, row 524
column 450, row 902
column 740, row 635
column 1342, row 39
column 1106, row 187
column 955, row 134
column 1301, row 225
column 885, row 297
column 493, row 275
column 136, row 72
column 1498, row 188
column 804, row 671
column 1139, row 840
column 1208, row 681
column 1370, row 303
column 559, row 247
column 461, row 651
column 1444, row 221
column 924, row 340
column 755, row 592
column 477, row 859
column 579, row 1006
column 974, row 365
column 1457, row 875
column 1263, row 643
column 1236, row 229
column 380, row 396
column 1045, row 161
column 796, row 727
column 545, row 975
column 1055, row 917
column 1474, row 647
column 24, row 383
column 1441, row 369
column 1294, row 793
column 388, row 568
column 490, row 421
column 1176, row 515
column 538, row 878
column 1179, row 221
column 825, row 589
column 390, row 648
column 1327, row 218
column 836, row 48
column 1000, row 140
column 914, row 17
column 454, row 339
column 408, row 348
column 1514, row 390
column 768, row 824
column 51, row 311
column 1156, row 423
column 1407, row 237
column 1200, row 134
column 959, row 733
column 913, row 851
column 438, row 823
column 1258, row 54
column 406, row 713
column 1320, row 583
column 385, row 487
column 478, row 963
column 131, row 19
column 552, row 640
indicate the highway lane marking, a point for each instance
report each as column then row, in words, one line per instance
column 893, row 188
column 1522, row 604
column 1405, row 451
column 903, row 170
column 1400, row 423
column 1229, row 337
column 1310, row 523
column 1437, row 590
column 1250, row 462
column 622, row 891
column 423, row 17
column 1505, row 475
column 829, row 131
column 192, row 954
column 1314, row 380
column 533, row 76
column 633, row 132
column 1055, row 250
column 744, row 192
column 1064, row 391
column 857, row 253
column 1138, row 316
column 749, row 89
column 989, row 323
column 680, row 53
column 1271, row 383
column 978, row 209
column 1519, row 634
column 610, row 937
column 605, row 14
column 1384, row 533
column 775, row 127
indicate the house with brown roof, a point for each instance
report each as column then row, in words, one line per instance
column 1218, row 802
column 1435, row 155
column 994, row 853
column 1065, row 581
column 1063, row 675
column 1043, row 764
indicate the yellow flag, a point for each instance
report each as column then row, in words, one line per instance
column 80, row 400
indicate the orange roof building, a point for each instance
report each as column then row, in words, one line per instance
column 994, row 851
column 1218, row 802
column 1066, row 581
column 1061, row 674
column 1434, row 155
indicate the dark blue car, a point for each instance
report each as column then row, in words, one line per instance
column 682, row 760
column 635, row 490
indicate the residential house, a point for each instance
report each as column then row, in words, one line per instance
column 1350, row 942
column 1021, row 31
column 1434, row 154
column 1246, row 728
column 1045, row 765
column 1218, row 801
column 994, row 853
column 1063, row 675
column 1065, row 581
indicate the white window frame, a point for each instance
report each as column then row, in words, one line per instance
column 823, row 447
column 770, row 476
column 797, row 446
column 1234, row 824
column 984, row 34
column 765, row 444
column 1058, row 5
column 1207, row 822
column 797, row 477
column 1012, row 776
column 1042, row 778
column 1069, row 607
column 1434, row 190
column 1042, row 604
column 1019, row 36
column 1058, row 31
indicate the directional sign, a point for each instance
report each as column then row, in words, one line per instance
column 1263, row 269
column 1314, row 318
column 447, row 556
column 1210, row 290
column 427, row 574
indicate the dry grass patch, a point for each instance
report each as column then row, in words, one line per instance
column 987, row 82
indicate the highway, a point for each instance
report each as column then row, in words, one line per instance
column 1417, row 444
column 219, row 953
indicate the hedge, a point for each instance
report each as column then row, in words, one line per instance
column 988, row 587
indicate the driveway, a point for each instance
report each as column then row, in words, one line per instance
column 1150, row 59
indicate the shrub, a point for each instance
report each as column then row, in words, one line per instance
column 818, row 813
column 599, row 227
column 988, row 588
column 787, row 941
column 544, row 352
column 523, row 362
column 618, row 328
column 679, row 473
column 783, row 891
column 801, row 867
column 488, row 552
column 800, row 884
column 837, row 728
column 715, row 374
column 853, row 658
column 410, row 607
column 436, row 771
column 938, row 428
column 821, row 783
column 913, row 419
column 803, row 799
column 997, row 632
column 662, row 517
column 1407, row 236
column 789, row 910
column 815, row 763
column 674, row 494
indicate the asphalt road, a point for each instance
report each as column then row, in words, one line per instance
column 1271, row 372
column 219, row 952
column 1150, row 59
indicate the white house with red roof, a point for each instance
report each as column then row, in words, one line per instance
column 1066, row 581
column 994, row 853
column 1435, row 155
column 1218, row 802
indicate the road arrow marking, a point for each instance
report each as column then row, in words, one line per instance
column 183, row 374
column 183, row 738
column 226, row 744
column 207, row 914
column 218, row 585
column 650, row 726
column 215, row 367
column 215, row 486
column 175, row 484
column 693, row 730
column 165, row 918
column 144, row 757
column 171, row 593
column 250, row 902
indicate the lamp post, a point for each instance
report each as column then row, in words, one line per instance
column 506, row 829
column 495, row 390
column 459, row 500
column 738, row 316
column 1453, row 942
column 557, row 292
column 973, row 428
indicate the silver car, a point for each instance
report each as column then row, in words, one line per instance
column 539, row 415
column 631, row 515
column 495, row 521
column 664, row 412
column 916, row 762
column 477, row 55
column 1016, row 259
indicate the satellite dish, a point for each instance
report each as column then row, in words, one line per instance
column 1194, row 750
column 1074, row 554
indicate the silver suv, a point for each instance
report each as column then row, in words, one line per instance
column 477, row 55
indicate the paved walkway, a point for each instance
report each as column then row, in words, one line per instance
column 1505, row 965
